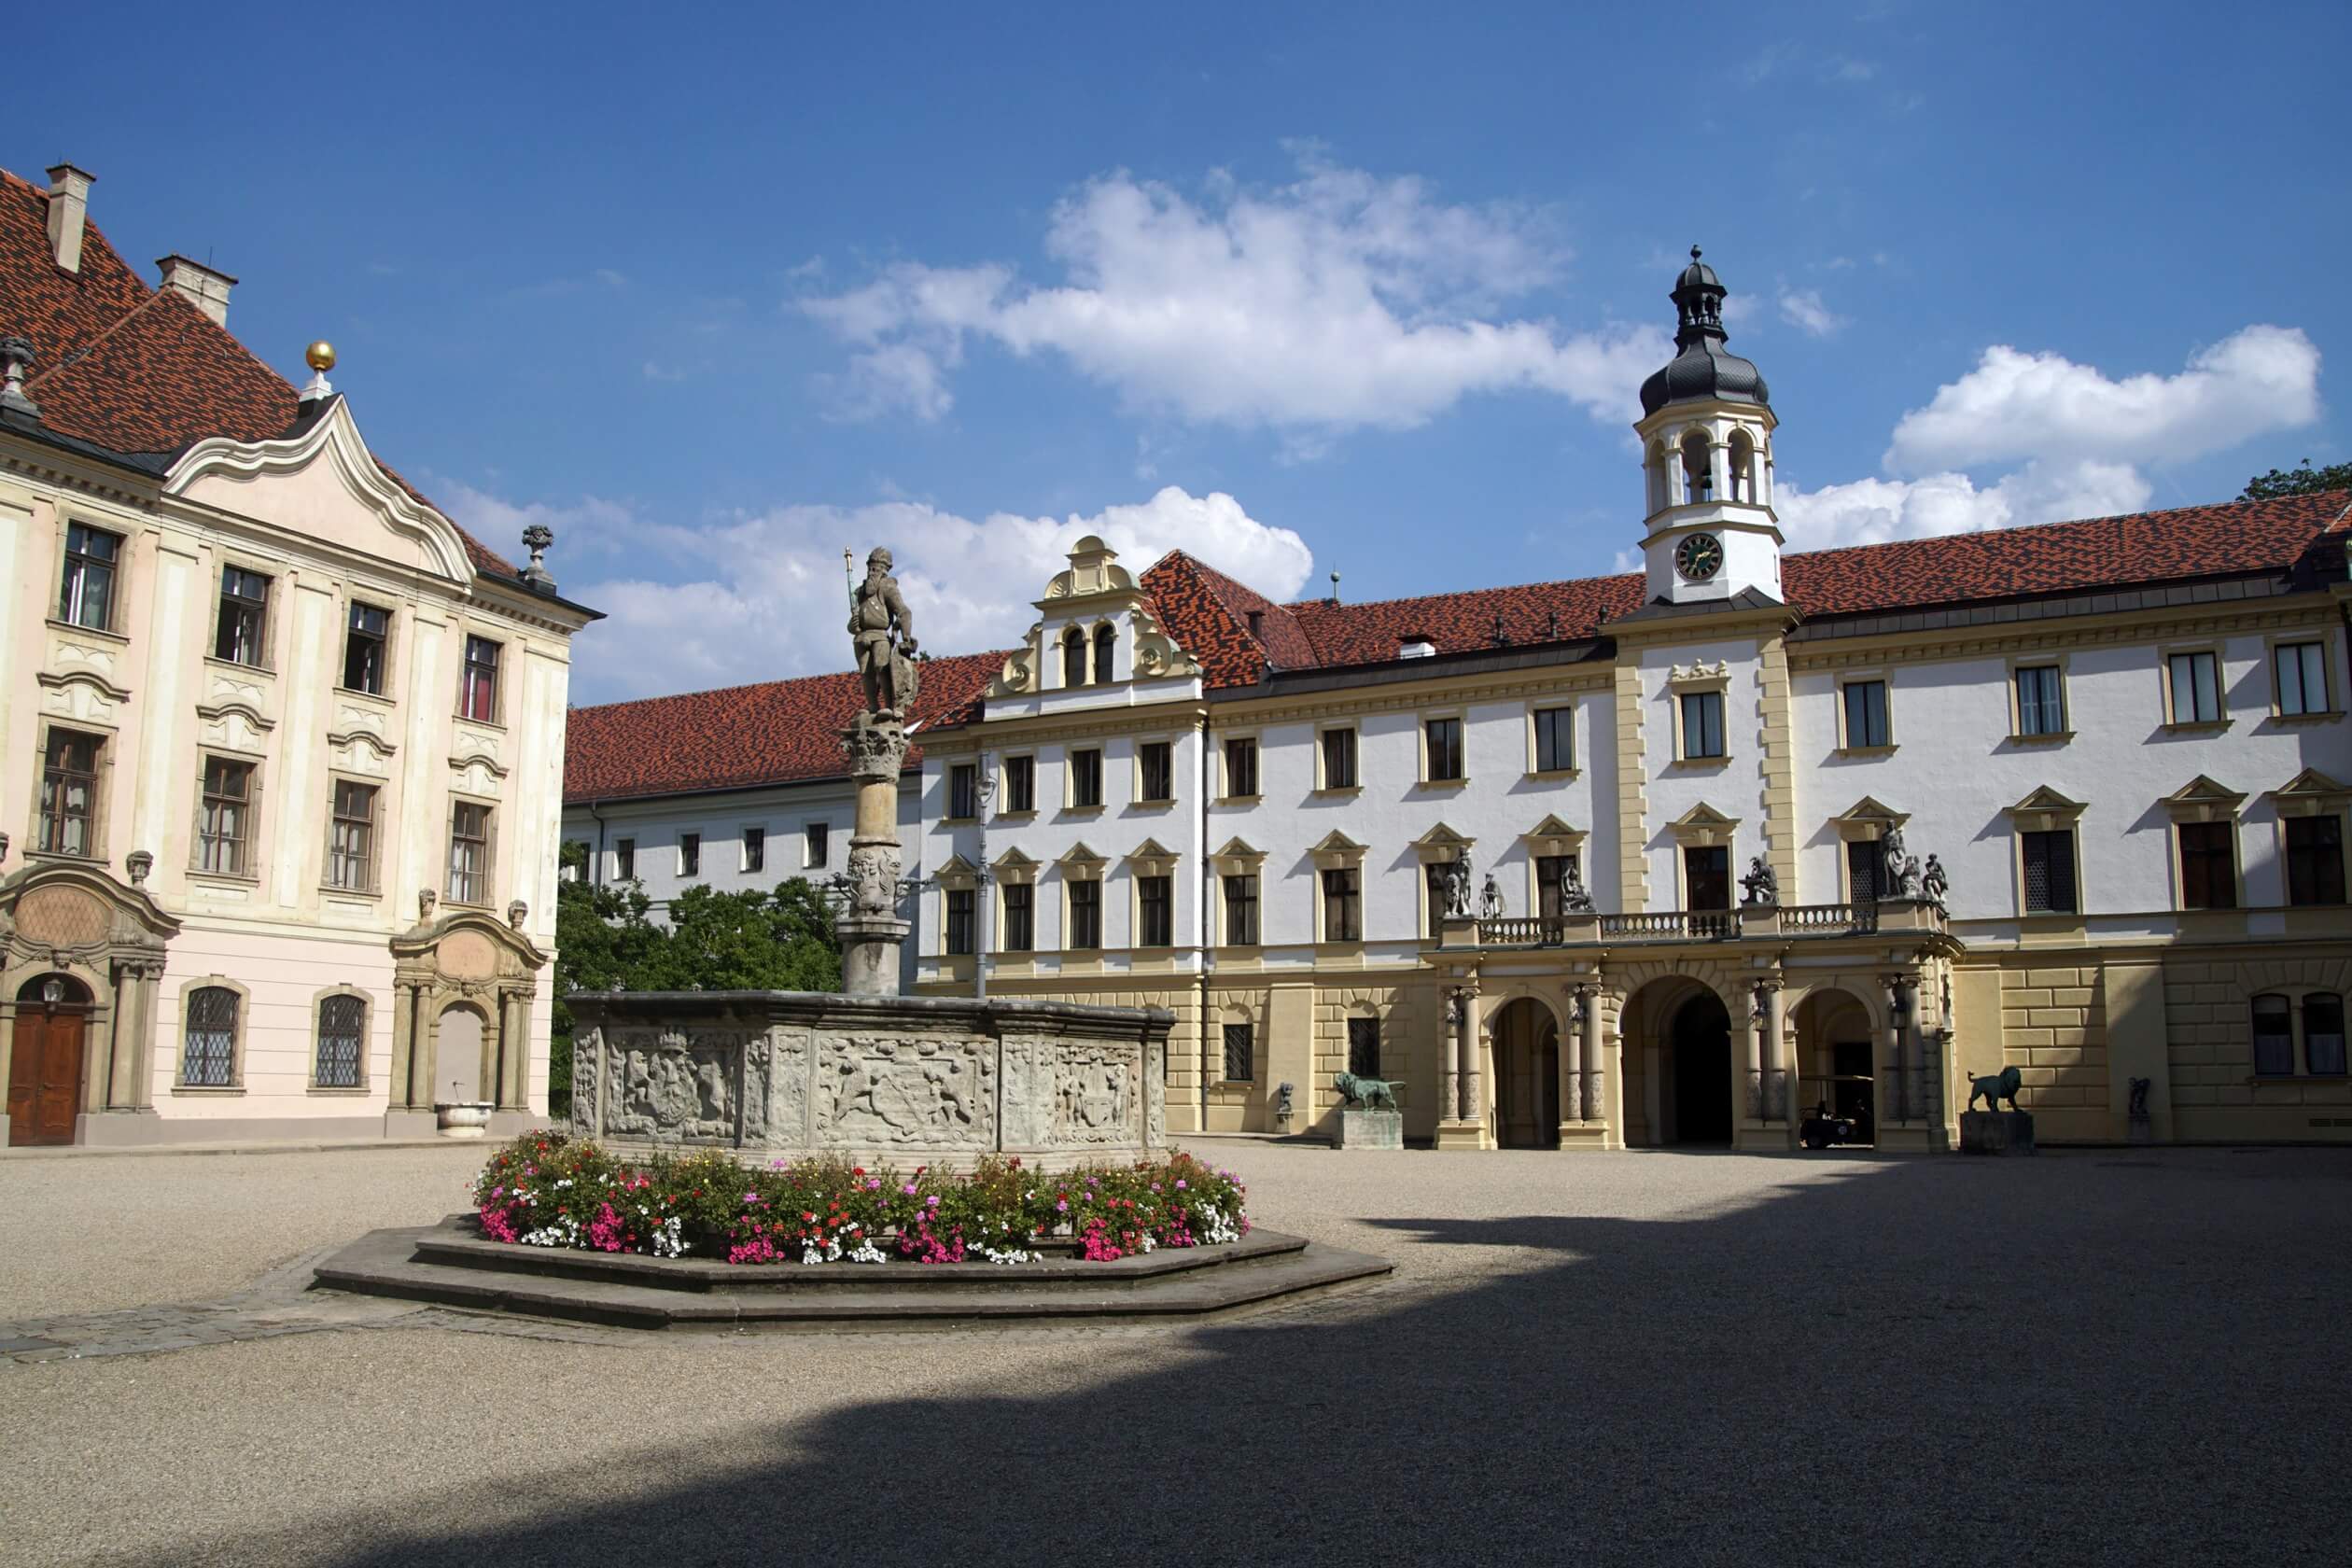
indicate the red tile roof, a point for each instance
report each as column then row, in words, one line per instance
column 132, row 369
column 1206, row 611
column 739, row 737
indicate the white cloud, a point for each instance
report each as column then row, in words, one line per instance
column 1803, row 309
column 1874, row 511
column 2017, row 406
column 752, row 598
column 1339, row 301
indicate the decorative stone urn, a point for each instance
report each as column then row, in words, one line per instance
column 464, row 1119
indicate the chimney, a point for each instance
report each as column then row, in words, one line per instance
column 68, row 210
column 205, row 289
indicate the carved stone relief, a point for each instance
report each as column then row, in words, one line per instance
column 62, row 917
column 662, row 1084
column 466, row 955
column 587, row 1052
column 876, row 1091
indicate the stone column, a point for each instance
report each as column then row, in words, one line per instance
column 1473, row 1098
column 869, row 929
column 1571, row 1102
column 1897, row 1106
column 1458, row 1009
column 1462, row 1123
column 1780, row 1073
column 1759, row 1060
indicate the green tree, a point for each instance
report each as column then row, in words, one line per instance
column 2302, row 480
column 605, row 939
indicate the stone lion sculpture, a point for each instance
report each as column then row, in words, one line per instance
column 1369, row 1094
column 1993, row 1087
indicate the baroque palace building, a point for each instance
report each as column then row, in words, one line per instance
column 1667, row 856
column 284, row 745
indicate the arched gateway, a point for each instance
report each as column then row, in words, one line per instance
column 1526, row 1040
column 1678, row 1064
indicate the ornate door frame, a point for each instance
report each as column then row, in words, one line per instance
column 74, row 917
column 463, row 956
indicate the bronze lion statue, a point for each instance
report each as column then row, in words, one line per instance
column 1371, row 1094
column 1993, row 1087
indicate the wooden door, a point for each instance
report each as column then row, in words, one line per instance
column 45, row 1075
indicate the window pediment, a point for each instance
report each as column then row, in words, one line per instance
column 1867, row 820
column 1238, row 856
column 1335, row 849
column 1014, row 866
column 1152, row 859
column 1081, row 861
column 2044, row 809
column 1703, row 825
column 1552, row 836
column 1442, row 843
column 958, row 872
column 2202, row 799
column 1700, row 677
column 2309, row 793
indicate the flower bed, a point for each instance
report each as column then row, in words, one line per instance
column 546, row 1190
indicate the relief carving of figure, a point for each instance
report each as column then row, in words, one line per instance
column 874, row 878
column 883, row 629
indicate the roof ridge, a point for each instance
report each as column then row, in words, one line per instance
column 779, row 682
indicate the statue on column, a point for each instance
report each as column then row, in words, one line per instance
column 1891, row 857
column 1458, row 883
column 1934, row 883
column 1760, row 887
column 1573, row 898
column 883, row 629
column 1491, row 899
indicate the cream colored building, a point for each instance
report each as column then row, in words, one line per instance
column 2124, row 742
column 284, row 745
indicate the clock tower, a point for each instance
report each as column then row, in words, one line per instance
column 1706, row 429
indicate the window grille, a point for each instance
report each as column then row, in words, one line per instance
column 1364, row 1047
column 208, row 1036
column 2050, row 873
column 1240, row 1054
column 342, row 1028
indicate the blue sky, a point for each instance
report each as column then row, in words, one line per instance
column 1360, row 287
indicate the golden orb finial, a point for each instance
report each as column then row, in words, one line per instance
column 320, row 355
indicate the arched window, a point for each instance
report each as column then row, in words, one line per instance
column 1654, row 469
column 208, row 1039
column 2323, row 1034
column 1697, row 472
column 1743, row 467
column 342, row 1033
column 1073, row 657
column 2273, row 1037
column 1106, row 642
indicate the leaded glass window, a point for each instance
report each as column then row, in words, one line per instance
column 342, row 1032
column 208, row 1039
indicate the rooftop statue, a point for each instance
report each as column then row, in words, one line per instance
column 883, row 629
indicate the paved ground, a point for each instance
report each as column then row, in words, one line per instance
column 1659, row 1357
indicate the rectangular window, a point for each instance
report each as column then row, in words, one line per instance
column 478, row 696
column 69, row 795
column 959, row 907
column 245, row 603
column 1863, row 860
column 1865, row 714
column 755, row 848
column 1155, row 767
column 963, row 792
column 1343, row 905
column 625, row 860
column 2323, row 1034
column 342, row 1032
column 2273, row 1037
column 1020, row 916
column 1086, row 778
column 2049, row 871
column 1702, row 725
column 1555, row 739
column 690, row 854
column 1339, row 759
column 351, row 839
column 87, row 594
column 1156, row 908
column 208, row 1039
column 1550, row 872
column 1086, row 916
column 363, row 649
column 1242, row 910
column 2208, row 869
column 2042, row 710
column 817, row 838
column 469, row 852
column 1242, row 767
column 2301, row 671
column 224, row 828
column 1020, row 784
column 1364, row 1047
column 1445, row 749
column 2315, row 859
column 2196, row 694
column 1707, row 875
column 1240, row 1054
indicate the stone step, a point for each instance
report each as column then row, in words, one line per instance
column 455, row 1245
column 390, row 1263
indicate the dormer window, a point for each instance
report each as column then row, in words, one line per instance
column 1415, row 647
column 1073, row 657
column 1106, row 643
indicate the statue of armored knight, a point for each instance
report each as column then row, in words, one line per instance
column 883, row 629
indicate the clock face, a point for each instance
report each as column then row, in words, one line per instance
column 1698, row 557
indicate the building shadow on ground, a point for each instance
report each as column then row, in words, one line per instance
column 2080, row 1359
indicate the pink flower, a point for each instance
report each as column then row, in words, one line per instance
column 908, row 1189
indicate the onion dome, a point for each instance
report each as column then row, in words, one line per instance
column 1702, row 368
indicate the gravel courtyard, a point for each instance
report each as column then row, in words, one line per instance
column 2107, row 1357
